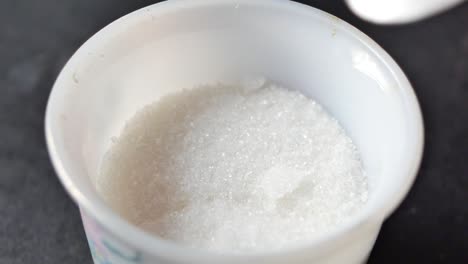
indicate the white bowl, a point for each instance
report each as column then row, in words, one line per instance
column 179, row 44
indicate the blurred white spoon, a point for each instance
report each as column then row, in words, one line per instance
column 398, row 11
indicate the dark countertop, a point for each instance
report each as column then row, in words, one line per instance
column 40, row 224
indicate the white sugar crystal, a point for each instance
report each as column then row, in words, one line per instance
column 234, row 169
column 274, row 183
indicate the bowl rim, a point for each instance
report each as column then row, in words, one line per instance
column 153, row 245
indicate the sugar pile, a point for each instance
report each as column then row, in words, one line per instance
column 234, row 169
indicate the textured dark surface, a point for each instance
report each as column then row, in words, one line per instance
column 40, row 224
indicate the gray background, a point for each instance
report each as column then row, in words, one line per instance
column 40, row 224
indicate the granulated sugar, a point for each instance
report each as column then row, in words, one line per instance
column 234, row 169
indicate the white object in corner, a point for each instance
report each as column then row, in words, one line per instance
column 399, row 11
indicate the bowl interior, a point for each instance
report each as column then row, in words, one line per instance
column 159, row 50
